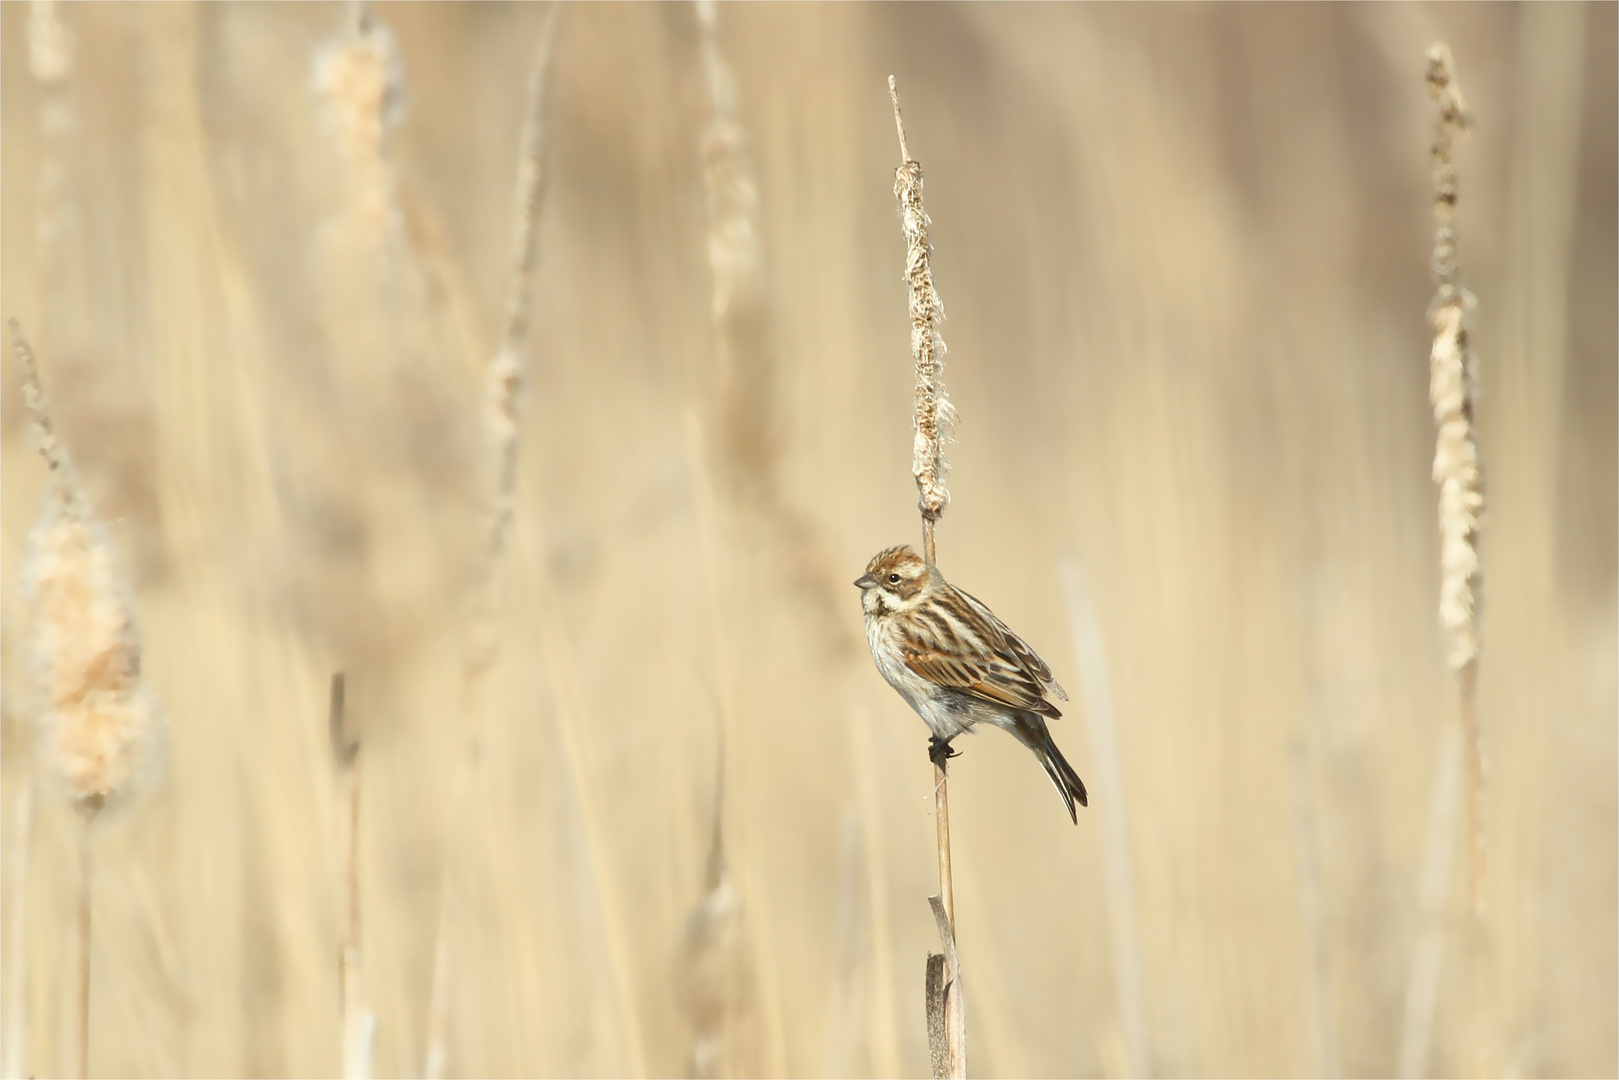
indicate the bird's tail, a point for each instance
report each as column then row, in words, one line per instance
column 1031, row 730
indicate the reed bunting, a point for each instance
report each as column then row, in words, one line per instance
column 957, row 664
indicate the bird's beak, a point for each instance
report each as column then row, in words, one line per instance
column 866, row 581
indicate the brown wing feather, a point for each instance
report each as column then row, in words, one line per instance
column 990, row 681
column 1026, row 658
column 989, row 667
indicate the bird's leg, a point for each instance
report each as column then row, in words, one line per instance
column 940, row 750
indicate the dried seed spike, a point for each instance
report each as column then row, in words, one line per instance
column 1452, row 390
column 360, row 79
column 102, row 727
column 934, row 414
column 1452, row 385
column 50, row 447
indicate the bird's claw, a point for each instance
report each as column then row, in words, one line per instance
column 940, row 751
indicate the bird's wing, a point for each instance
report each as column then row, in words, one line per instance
column 1019, row 650
column 974, row 668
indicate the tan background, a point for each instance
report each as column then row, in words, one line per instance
column 1184, row 254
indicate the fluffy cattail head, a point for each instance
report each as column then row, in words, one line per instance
column 1452, row 387
column 934, row 413
column 735, row 250
column 50, row 44
column 103, row 731
column 360, row 79
column 102, row 728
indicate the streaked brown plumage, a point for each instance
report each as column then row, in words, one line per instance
column 957, row 664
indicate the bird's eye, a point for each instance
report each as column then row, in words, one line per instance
column 893, row 578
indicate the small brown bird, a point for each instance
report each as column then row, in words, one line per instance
column 957, row 664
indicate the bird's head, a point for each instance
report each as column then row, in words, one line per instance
column 893, row 581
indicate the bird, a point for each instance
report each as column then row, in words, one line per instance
column 958, row 665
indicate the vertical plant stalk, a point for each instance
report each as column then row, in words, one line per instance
column 359, row 1023
column 933, row 417
column 86, row 867
column 1453, row 389
column 22, row 846
column 502, row 391
column 1422, row 985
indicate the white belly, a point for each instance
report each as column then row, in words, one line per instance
column 918, row 692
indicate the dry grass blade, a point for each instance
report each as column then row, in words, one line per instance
column 1452, row 389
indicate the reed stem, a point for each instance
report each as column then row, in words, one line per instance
column 85, row 866
column 16, row 1025
column 947, row 1022
column 502, row 391
column 358, row 1024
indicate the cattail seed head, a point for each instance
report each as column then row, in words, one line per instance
column 1461, row 484
column 934, row 414
column 103, row 732
column 360, row 79
column 1452, row 387
column 735, row 250
column 101, row 725
column 50, row 44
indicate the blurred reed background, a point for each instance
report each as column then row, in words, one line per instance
column 1185, row 251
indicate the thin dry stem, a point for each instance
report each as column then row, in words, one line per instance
column 1422, row 984
column 358, row 1023
column 64, row 487
column 503, row 378
column 1453, row 389
column 502, row 391
column 934, row 415
column 22, row 847
column 85, row 895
